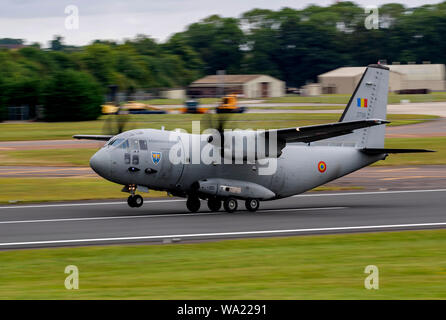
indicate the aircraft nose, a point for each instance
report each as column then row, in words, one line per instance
column 100, row 163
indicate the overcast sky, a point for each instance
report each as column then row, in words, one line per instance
column 38, row 21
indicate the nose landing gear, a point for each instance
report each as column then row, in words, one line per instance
column 135, row 201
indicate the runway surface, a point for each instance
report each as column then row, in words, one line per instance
column 85, row 223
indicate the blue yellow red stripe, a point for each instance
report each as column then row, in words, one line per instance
column 361, row 103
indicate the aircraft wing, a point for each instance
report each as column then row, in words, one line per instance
column 92, row 137
column 323, row 131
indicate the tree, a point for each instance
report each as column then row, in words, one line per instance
column 57, row 43
column 72, row 96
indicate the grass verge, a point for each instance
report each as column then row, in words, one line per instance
column 62, row 189
column 412, row 265
column 437, row 144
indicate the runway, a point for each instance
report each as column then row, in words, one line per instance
column 166, row 220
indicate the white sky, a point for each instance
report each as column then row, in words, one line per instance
column 38, row 21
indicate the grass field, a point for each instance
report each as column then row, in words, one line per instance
column 65, row 130
column 62, row 189
column 412, row 265
column 78, row 157
column 344, row 98
column 437, row 144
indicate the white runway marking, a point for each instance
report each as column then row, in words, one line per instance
column 156, row 216
column 82, row 204
column 368, row 193
column 176, row 200
column 223, row 234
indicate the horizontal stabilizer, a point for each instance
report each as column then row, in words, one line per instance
column 386, row 150
column 92, row 137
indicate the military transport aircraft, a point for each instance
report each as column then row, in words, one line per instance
column 270, row 164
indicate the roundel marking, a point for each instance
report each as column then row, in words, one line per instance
column 322, row 166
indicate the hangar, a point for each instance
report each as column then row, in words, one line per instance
column 430, row 77
column 246, row 85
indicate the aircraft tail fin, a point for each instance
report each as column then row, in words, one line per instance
column 369, row 101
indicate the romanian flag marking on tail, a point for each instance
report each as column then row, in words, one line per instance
column 362, row 103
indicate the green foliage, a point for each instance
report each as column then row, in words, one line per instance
column 292, row 45
column 72, row 96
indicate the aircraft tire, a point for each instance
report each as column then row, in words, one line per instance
column 252, row 205
column 130, row 201
column 214, row 204
column 193, row 204
column 138, row 201
column 230, row 205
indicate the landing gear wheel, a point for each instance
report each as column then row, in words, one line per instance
column 130, row 201
column 252, row 204
column 193, row 204
column 230, row 204
column 135, row 201
column 214, row 204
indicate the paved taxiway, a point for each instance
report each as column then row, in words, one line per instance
column 82, row 223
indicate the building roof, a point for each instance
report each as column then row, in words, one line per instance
column 227, row 78
column 344, row 72
column 410, row 71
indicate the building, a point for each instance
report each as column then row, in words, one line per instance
column 429, row 77
column 174, row 93
column 421, row 76
column 246, row 85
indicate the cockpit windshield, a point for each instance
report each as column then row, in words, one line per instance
column 115, row 142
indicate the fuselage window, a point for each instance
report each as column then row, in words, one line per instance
column 143, row 144
column 127, row 158
column 135, row 159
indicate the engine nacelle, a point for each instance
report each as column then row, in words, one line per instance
column 233, row 188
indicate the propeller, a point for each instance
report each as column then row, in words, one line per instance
column 217, row 122
column 115, row 123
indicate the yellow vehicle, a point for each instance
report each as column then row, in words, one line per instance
column 132, row 107
column 229, row 105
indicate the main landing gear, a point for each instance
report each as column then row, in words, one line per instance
column 135, row 201
column 193, row 203
column 214, row 204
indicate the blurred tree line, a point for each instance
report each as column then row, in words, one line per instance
column 293, row 45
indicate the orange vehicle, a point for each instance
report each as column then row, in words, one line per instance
column 229, row 105
column 192, row 106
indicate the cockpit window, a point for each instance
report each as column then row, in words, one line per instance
column 124, row 145
column 115, row 142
